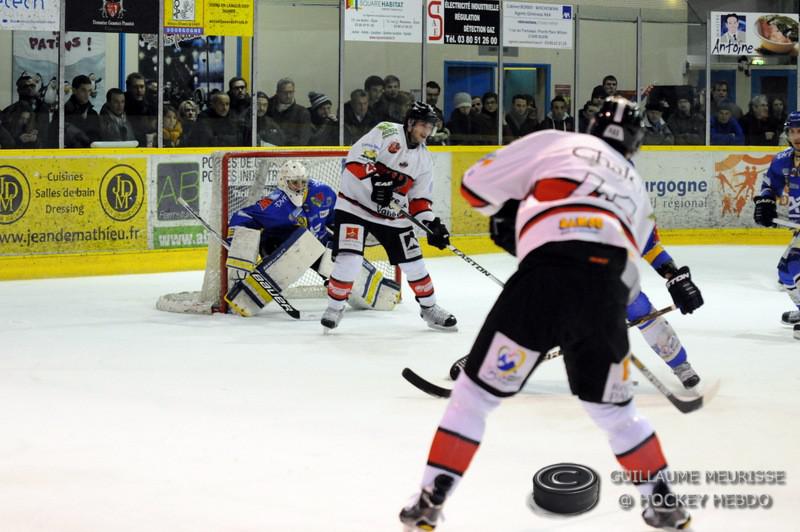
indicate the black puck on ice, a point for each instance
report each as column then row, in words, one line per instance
column 566, row 488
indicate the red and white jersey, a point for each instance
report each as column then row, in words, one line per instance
column 571, row 186
column 384, row 150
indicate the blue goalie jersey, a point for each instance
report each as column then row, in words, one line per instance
column 783, row 173
column 277, row 216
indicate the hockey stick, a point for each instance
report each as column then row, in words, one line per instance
column 265, row 283
column 684, row 405
column 438, row 391
column 786, row 223
column 396, row 205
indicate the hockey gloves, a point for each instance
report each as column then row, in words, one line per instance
column 684, row 292
column 502, row 226
column 382, row 188
column 439, row 236
column 765, row 210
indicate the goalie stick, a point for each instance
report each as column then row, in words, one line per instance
column 786, row 223
column 684, row 405
column 469, row 260
column 270, row 288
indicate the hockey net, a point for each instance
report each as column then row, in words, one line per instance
column 239, row 179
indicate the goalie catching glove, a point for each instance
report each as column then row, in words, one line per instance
column 765, row 210
column 684, row 292
column 439, row 236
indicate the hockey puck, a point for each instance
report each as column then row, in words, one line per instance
column 566, row 488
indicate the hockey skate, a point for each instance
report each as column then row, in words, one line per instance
column 667, row 518
column 424, row 514
column 331, row 318
column 688, row 377
column 790, row 318
column 438, row 318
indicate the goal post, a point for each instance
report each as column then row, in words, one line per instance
column 239, row 179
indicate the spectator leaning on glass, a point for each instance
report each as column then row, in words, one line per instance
column 760, row 129
column 688, row 128
column 293, row 119
column 725, row 130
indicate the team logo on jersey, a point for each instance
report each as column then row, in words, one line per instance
column 411, row 246
column 370, row 155
column 394, row 147
column 121, row 192
column 351, row 233
column 581, row 222
column 507, row 364
column 264, row 203
column 15, row 194
column 317, row 199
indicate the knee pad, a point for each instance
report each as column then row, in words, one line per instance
column 625, row 427
column 468, row 409
column 346, row 266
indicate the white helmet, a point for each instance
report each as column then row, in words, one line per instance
column 293, row 171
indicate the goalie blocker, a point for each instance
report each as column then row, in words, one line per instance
column 286, row 264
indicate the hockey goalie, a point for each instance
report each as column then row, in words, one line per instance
column 285, row 233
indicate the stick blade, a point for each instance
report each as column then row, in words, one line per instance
column 424, row 385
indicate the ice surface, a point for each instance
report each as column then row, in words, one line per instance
column 117, row 417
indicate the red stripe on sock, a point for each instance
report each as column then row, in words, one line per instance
column 339, row 290
column 422, row 287
column 644, row 460
column 451, row 451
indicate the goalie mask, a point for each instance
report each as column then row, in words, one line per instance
column 293, row 181
column 619, row 123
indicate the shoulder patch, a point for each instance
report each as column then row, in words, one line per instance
column 387, row 128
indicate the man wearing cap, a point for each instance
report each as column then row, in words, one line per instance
column 466, row 126
column 656, row 130
column 688, row 127
column 324, row 124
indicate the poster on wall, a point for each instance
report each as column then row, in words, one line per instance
column 193, row 66
column 42, row 15
column 464, row 23
column 746, row 33
column 383, row 20
column 537, row 25
column 210, row 17
column 36, row 54
column 112, row 16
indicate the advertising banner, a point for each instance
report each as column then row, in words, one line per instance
column 183, row 17
column 746, row 33
column 36, row 53
column 62, row 205
column 383, row 20
column 229, row 17
column 471, row 23
column 537, row 25
column 112, row 16
column 41, row 15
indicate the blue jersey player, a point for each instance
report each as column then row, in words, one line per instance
column 782, row 176
column 658, row 333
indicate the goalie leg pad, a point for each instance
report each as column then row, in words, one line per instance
column 247, row 297
column 371, row 290
column 291, row 259
column 325, row 266
column 243, row 253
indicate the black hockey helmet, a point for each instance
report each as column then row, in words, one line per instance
column 619, row 123
column 421, row 111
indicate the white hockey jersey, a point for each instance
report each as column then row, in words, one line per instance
column 384, row 150
column 571, row 186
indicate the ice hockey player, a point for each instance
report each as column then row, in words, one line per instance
column 390, row 163
column 583, row 215
column 290, row 230
column 784, row 173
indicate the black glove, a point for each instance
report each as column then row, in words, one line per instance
column 502, row 226
column 439, row 236
column 684, row 292
column 382, row 188
column 765, row 210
